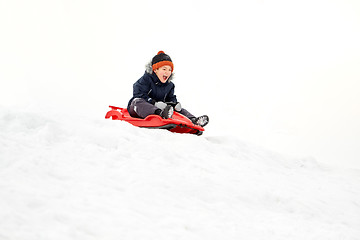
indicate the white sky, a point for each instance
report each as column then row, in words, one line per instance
column 283, row 74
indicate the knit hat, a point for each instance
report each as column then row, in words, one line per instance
column 161, row 59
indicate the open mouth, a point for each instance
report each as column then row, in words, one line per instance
column 165, row 78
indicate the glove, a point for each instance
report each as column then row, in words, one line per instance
column 160, row 105
column 177, row 106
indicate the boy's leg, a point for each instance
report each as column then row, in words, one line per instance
column 186, row 113
column 141, row 108
column 201, row 121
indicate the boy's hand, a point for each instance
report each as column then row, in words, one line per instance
column 160, row 105
column 176, row 105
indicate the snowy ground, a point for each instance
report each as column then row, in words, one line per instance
column 66, row 176
column 286, row 73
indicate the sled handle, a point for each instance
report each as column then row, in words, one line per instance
column 114, row 113
column 115, row 108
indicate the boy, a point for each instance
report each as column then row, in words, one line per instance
column 153, row 93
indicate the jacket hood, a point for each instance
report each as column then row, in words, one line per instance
column 148, row 69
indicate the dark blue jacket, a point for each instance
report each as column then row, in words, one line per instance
column 150, row 88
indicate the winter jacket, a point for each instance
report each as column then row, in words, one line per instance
column 150, row 88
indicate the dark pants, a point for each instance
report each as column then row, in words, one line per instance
column 140, row 108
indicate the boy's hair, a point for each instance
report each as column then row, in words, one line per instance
column 161, row 59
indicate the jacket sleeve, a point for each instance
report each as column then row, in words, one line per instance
column 171, row 97
column 142, row 89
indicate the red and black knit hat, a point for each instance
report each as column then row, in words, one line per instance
column 161, row 59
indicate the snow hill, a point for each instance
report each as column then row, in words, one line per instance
column 65, row 176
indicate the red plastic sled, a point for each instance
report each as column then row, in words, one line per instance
column 178, row 123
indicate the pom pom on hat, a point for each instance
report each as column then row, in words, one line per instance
column 161, row 59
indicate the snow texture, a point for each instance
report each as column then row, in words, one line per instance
column 65, row 176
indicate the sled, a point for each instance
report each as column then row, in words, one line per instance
column 177, row 124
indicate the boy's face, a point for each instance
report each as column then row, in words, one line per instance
column 163, row 73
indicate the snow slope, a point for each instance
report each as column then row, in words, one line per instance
column 66, row 176
column 287, row 70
